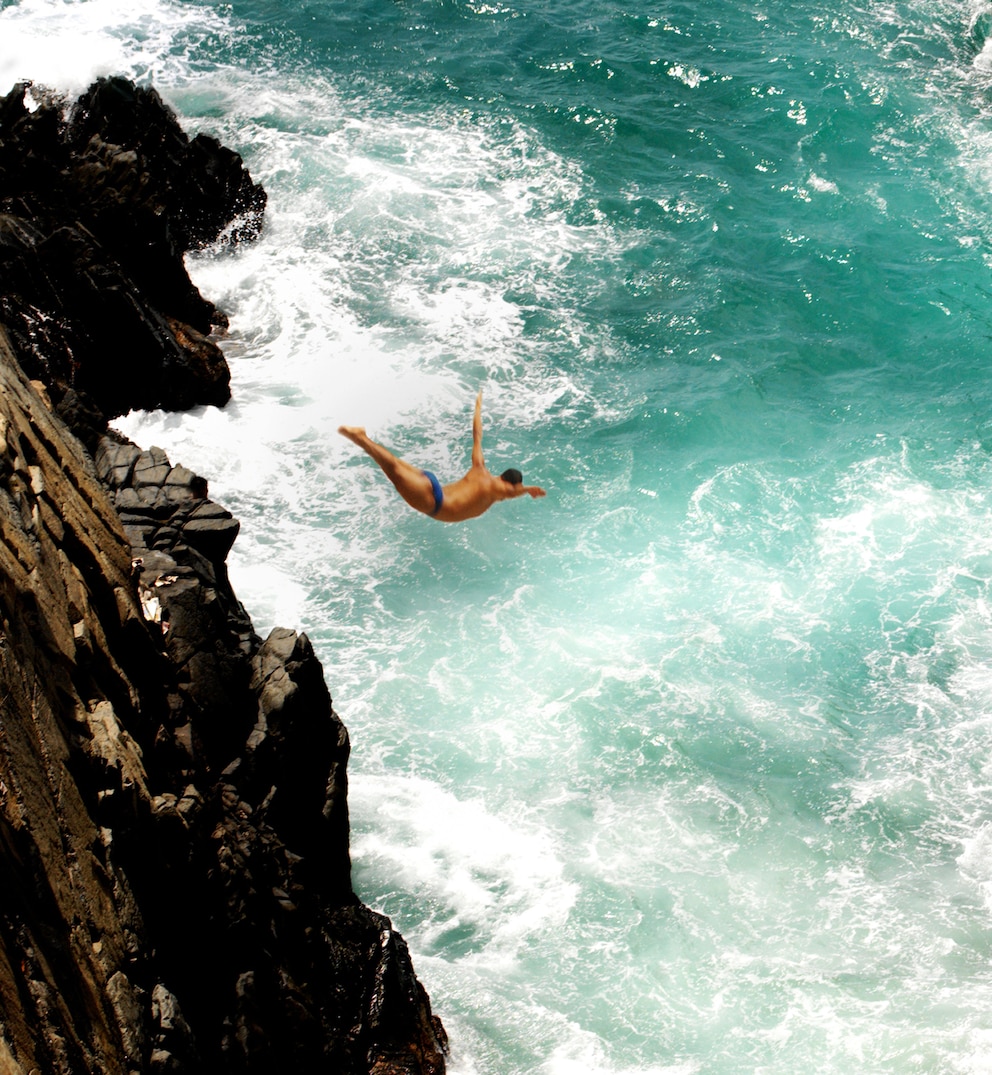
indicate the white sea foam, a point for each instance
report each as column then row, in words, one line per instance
column 65, row 46
column 983, row 61
column 499, row 879
column 975, row 862
column 369, row 336
column 585, row 1054
column 821, row 185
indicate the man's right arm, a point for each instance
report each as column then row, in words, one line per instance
column 525, row 490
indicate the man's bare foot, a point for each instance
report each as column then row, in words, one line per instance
column 356, row 434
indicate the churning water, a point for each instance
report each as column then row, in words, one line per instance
column 686, row 768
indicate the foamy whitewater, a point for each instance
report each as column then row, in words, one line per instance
column 686, row 768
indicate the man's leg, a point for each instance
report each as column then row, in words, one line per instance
column 412, row 484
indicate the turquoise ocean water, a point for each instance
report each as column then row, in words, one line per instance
column 688, row 767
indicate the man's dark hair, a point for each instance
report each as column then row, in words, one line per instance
column 513, row 476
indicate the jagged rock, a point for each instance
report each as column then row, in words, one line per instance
column 72, row 940
column 173, row 790
column 210, row 530
column 98, row 205
column 206, row 766
column 200, row 184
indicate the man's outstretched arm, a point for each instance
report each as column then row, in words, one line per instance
column 525, row 490
column 477, row 433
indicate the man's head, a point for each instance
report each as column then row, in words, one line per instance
column 513, row 476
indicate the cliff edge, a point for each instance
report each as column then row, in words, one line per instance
column 175, row 892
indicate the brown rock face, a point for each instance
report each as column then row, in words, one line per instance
column 175, row 892
column 173, row 793
column 71, row 936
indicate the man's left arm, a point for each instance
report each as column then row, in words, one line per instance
column 477, row 460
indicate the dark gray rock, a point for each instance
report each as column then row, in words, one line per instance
column 174, row 861
column 99, row 202
column 212, row 537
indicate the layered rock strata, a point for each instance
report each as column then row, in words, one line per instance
column 175, row 890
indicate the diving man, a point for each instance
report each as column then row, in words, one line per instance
column 466, row 498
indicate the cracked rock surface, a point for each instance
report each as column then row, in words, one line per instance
column 174, row 863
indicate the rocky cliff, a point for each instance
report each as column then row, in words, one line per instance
column 175, row 889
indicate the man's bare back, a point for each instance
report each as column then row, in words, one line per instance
column 466, row 498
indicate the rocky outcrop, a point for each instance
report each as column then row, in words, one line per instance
column 175, row 890
column 99, row 201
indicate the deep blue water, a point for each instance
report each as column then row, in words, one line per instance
column 685, row 768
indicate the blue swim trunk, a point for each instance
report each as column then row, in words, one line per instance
column 438, row 491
